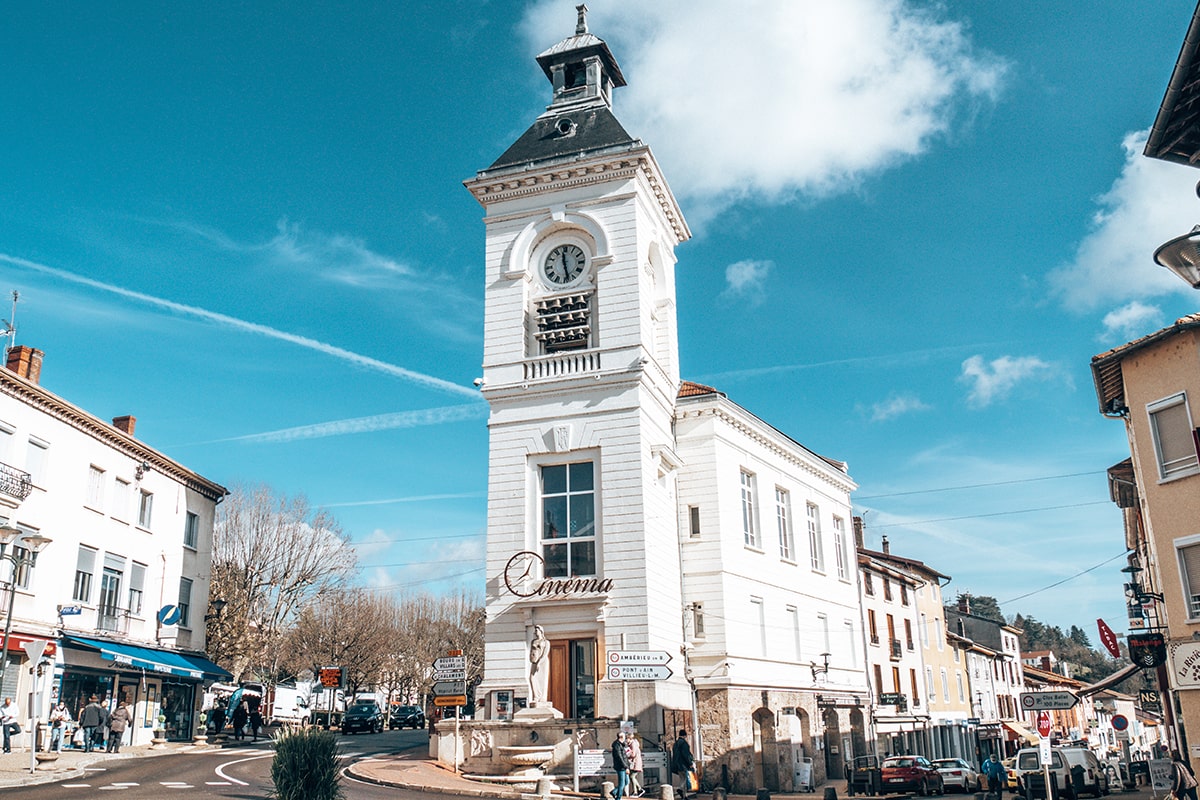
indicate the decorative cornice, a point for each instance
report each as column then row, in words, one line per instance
column 34, row 396
column 756, row 435
column 489, row 188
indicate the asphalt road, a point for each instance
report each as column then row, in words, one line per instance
column 233, row 772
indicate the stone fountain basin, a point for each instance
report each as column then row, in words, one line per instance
column 529, row 756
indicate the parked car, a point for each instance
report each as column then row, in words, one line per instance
column 366, row 717
column 1074, row 770
column 911, row 774
column 958, row 774
column 407, row 717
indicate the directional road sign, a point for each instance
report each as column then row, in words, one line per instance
column 449, row 674
column 450, row 700
column 643, row 657
column 1048, row 701
column 450, row 688
column 634, row 672
column 450, row 662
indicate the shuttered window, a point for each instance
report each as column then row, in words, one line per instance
column 1174, row 444
column 1189, row 563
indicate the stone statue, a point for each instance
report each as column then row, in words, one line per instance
column 539, row 667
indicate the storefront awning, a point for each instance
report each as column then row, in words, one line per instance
column 1111, row 680
column 1020, row 730
column 167, row 662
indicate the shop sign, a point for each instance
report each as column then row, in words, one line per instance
column 524, row 565
column 1147, row 649
column 990, row 730
column 1185, row 663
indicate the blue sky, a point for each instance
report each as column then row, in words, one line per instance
column 914, row 225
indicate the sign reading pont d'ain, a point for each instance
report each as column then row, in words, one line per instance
column 520, row 577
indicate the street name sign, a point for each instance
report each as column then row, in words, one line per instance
column 450, row 688
column 649, row 658
column 635, row 672
column 1048, row 701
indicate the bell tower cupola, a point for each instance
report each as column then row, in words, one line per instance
column 581, row 68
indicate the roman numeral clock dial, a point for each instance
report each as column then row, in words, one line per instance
column 564, row 264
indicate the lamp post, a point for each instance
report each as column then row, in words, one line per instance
column 34, row 543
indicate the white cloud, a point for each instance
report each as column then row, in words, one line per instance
column 897, row 405
column 1131, row 320
column 766, row 99
column 1150, row 202
column 371, row 424
column 747, row 279
column 995, row 380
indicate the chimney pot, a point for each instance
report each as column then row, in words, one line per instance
column 26, row 362
column 125, row 423
column 964, row 603
column 1046, row 663
column 887, row 548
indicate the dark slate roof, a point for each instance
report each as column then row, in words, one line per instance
column 595, row 129
column 1175, row 135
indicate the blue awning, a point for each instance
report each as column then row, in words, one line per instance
column 152, row 659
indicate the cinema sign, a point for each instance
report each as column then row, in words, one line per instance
column 520, row 572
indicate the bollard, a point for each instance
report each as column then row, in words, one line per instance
column 666, row 791
column 544, row 786
column 606, row 790
column 830, row 793
column 719, row 793
column 763, row 794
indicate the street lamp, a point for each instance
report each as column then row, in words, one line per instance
column 1181, row 255
column 33, row 543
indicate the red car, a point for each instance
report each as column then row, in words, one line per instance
column 911, row 774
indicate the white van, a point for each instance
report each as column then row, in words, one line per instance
column 1074, row 770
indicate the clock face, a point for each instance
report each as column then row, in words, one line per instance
column 564, row 264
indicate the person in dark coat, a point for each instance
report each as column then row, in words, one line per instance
column 240, row 717
column 256, row 721
column 94, row 718
column 620, row 760
column 682, row 764
column 118, row 721
column 218, row 717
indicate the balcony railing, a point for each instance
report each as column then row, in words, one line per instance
column 112, row 620
column 561, row 365
column 14, row 482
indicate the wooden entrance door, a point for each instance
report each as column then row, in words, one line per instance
column 560, row 676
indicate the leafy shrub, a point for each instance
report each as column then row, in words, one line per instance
column 306, row 765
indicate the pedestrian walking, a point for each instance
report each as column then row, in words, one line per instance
column 240, row 717
column 118, row 721
column 256, row 722
column 92, row 720
column 60, row 718
column 1183, row 781
column 682, row 764
column 620, row 765
column 633, row 749
column 997, row 777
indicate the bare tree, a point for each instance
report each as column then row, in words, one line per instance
column 271, row 555
column 351, row 629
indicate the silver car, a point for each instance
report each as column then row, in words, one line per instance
column 958, row 775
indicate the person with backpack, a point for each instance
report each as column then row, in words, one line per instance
column 1183, row 781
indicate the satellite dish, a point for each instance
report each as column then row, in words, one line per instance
column 169, row 615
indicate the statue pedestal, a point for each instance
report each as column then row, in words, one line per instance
column 537, row 712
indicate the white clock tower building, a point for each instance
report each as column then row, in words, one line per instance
column 581, row 370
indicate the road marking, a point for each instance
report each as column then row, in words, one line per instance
column 77, row 786
column 95, row 769
column 220, row 770
column 126, row 783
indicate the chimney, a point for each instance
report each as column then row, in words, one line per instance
column 125, row 423
column 859, row 532
column 1046, row 663
column 887, row 549
column 26, row 362
column 964, row 603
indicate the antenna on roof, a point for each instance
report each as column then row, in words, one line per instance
column 10, row 326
